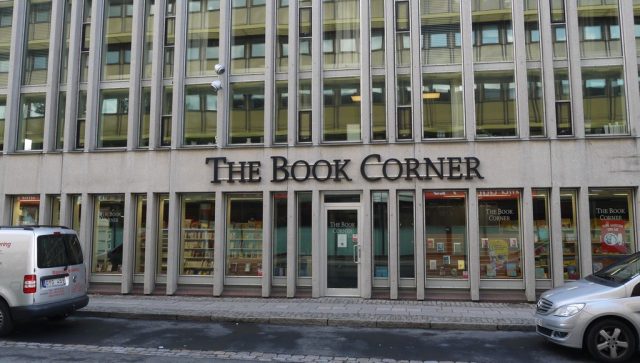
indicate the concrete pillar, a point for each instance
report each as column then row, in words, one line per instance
column 128, row 243
column 218, row 251
column 528, row 254
column 267, row 233
column 151, row 243
column 394, row 271
column 474, row 245
column 292, row 243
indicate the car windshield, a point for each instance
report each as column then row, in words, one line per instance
column 621, row 271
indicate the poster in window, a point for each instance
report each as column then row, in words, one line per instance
column 612, row 236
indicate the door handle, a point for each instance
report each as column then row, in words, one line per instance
column 355, row 254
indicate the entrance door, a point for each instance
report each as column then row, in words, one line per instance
column 343, row 250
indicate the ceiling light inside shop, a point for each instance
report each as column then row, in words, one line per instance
column 356, row 98
column 431, row 95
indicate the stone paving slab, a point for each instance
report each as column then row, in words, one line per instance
column 321, row 311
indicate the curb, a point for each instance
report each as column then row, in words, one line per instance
column 311, row 321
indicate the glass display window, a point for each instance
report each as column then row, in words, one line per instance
column 304, row 210
column 26, row 210
column 406, row 234
column 108, row 234
column 55, row 210
column 163, row 233
column 380, row 202
column 500, row 234
column 541, row 234
column 611, row 225
column 570, row 244
column 198, row 234
column 76, row 205
column 445, row 214
column 141, row 232
column 279, row 239
column 244, row 235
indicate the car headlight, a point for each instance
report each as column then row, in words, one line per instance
column 568, row 310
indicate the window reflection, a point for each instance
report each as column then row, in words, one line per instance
column 604, row 101
column 36, row 58
column 6, row 21
column 31, row 123
column 341, row 109
column 114, row 115
column 341, row 40
column 492, row 30
column 200, row 116
column 246, row 123
column 203, row 36
column 441, row 40
column 599, row 29
column 442, row 105
column 116, row 59
column 247, row 36
column 495, row 104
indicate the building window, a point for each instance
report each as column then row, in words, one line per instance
column 37, row 42
column 341, row 25
column 304, row 34
column 541, row 234
column 244, row 235
column 403, row 39
column 406, row 234
column 203, row 38
column 281, row 122
column 55, row 201
column 26, row 210
column 532, row 30
column 612, row 225
column 604, row 101
column 147, row 51
column 378, row 109
column 279, row 238
column 341, row 109
column 442, row 101
column 145, row 118
column 31, row 122
column 246, row 122
column 500, row 237
column 81, row 119
column 200, row 116
column 197, row 234
column 6, row 15
column 440, row 29
column 117, row 40
column 570, row 241
column 282, row 37
column 76, row 210
column 305, row 117
column 114, row 114
column 305, row 221
column 108, row 234
column 404, row 122
column 3, row 117
column 446, row 234
column 536, row 102
column 599, row 29
column 564, row 121
column 247, row 37
column 495, row 104
column 492, row 32
column 380, row 215
column 377, row 32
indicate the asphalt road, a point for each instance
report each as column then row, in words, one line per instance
column 117, row 340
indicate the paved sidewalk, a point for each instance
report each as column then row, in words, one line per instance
column 321, row 311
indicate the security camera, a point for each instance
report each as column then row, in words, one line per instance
column 219, row 68
column 216, row 85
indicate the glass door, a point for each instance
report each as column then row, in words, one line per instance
column 343, row 251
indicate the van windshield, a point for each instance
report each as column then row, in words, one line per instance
column 621, row 271
column 58, row 250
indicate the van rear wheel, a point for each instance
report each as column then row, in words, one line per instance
column 6, row 324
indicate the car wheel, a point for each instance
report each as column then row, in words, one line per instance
column 6, row 324
column 611, row 341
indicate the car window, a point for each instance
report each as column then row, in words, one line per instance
column 51, row 252
column 622, row 271
column 75, row 251
column 59, row 250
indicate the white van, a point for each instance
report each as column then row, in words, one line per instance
column 42, row 274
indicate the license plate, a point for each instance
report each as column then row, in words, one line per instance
column 54, row 282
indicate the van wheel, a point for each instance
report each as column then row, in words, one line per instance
column 6, row 324
column 610, row 341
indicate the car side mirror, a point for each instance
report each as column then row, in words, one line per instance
column 635, row 291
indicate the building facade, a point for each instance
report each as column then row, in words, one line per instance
column 374, row 148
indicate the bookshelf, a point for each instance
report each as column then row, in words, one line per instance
column 197, row 251
column 244, row 249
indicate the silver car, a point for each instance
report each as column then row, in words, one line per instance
column 600, row 312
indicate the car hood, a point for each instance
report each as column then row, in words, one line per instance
column 582, row 291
